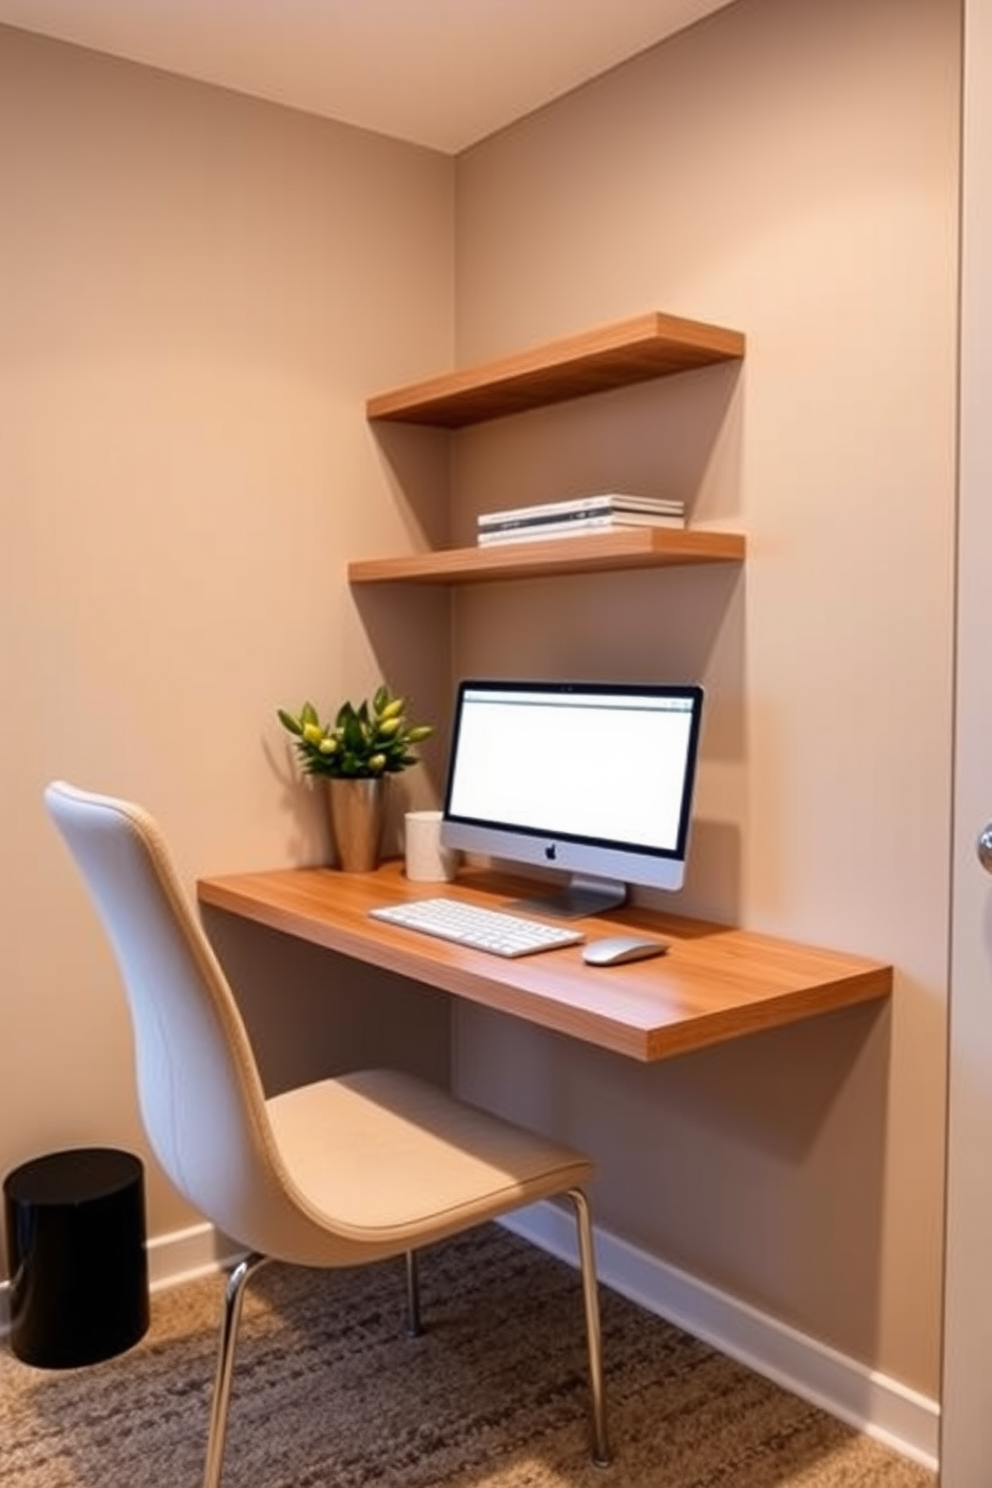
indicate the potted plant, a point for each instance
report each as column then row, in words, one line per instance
column 355, row 754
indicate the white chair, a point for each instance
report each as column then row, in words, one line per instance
column 336, row 1173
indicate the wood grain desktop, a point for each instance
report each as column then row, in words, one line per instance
column 714, row 984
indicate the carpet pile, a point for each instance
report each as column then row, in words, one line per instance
column 329, row 1393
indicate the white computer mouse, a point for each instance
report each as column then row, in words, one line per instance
column 617, row 949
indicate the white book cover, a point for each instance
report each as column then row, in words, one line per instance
column 607, row 522
column 582, row 505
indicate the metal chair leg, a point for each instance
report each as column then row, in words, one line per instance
column 413, row 1325
column 233, row 1298
column 601, row 1453
column 246, row 1269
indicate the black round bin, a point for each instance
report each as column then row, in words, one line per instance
column 75, row 1224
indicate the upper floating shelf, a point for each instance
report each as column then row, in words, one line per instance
column 649, row 346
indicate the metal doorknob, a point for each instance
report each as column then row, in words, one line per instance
column 984, row 846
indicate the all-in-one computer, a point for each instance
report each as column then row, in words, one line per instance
column 592, row 778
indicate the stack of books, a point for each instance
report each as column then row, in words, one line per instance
column 611, row 512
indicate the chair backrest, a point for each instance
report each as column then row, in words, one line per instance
column 200, row 1092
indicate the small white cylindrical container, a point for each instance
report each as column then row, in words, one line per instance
column 426, row 860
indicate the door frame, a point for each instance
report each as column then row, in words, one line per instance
column 966, row 1388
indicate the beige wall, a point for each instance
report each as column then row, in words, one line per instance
column 199, row 291
column 787, row 169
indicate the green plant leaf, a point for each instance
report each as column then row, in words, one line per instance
column 363, row 742
column 289, row 722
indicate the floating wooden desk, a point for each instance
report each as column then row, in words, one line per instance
column 714, row 984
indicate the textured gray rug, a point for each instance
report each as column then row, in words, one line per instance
column 329, row 1392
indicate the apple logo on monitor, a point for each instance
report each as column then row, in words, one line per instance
column 551, row 852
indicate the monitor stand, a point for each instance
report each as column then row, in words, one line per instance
column 579, row 897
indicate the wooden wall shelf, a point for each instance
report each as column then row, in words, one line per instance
column 637, row 350
column 640, row 547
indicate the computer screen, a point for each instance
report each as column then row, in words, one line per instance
column 594, row 779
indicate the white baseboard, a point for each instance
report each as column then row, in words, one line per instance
column 863, row 1398
column 902, row 1419
column 184, row 1255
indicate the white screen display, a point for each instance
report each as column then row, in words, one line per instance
column 598, row 766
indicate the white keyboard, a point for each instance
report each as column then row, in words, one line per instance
column 483, row 929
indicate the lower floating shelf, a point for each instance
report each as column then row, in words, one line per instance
column 640, row 547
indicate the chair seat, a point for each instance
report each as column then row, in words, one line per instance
column 385, row 1158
